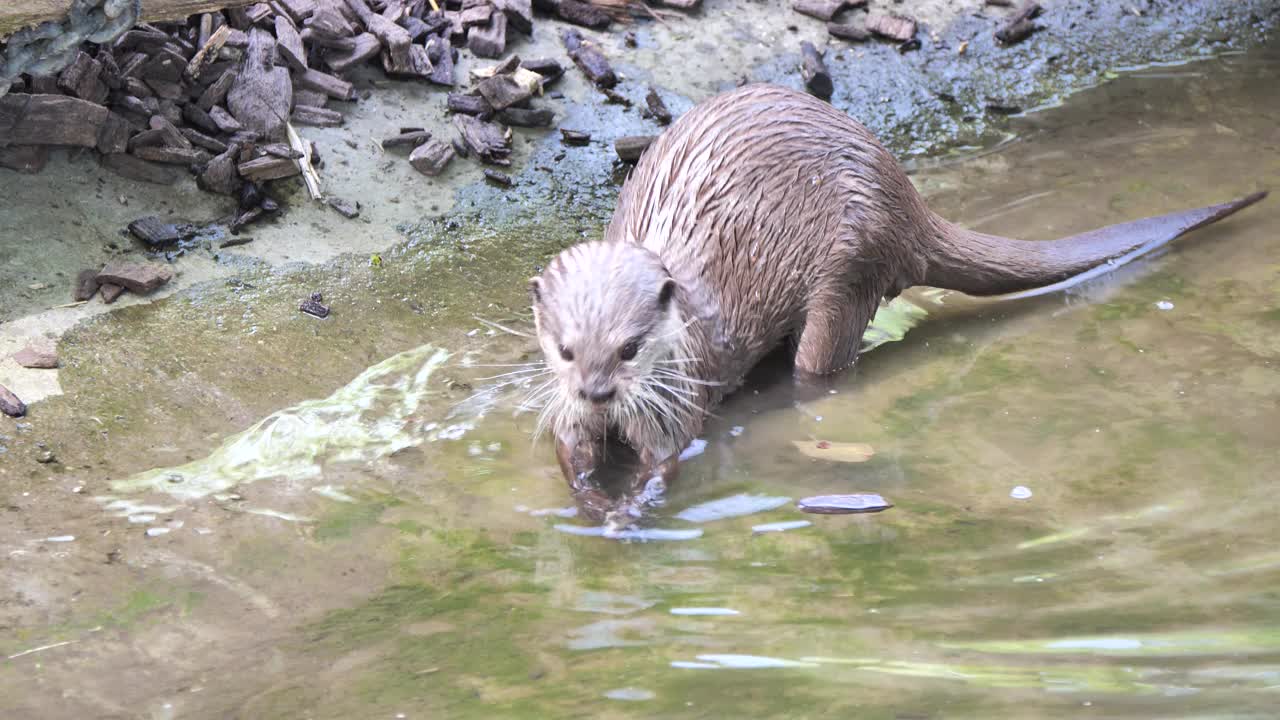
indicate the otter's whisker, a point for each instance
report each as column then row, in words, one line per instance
column 529, row 372
column 503, row 328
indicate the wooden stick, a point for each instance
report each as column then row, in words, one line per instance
column 309, row 176
column 215, row 43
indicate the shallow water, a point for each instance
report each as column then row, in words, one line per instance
column 1137, row 579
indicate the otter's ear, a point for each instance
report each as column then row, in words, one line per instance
column 666, row 292
column 535, row 289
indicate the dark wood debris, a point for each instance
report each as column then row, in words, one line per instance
column 817, row 79
column 432, row 157
column 893, row 27
column 630, row 148
column 314, row 306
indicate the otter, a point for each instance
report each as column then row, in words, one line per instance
column 760, row 215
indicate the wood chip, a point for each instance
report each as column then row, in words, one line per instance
column 574, row 137
column 527, row 117
column 208, row 52
column 171, row 155
column 630, row 148
column 110, row 292
column 364, row 47
column 824, row 10
column 848, row 32
column 589, row 59
column 498, row 178
column 519, row 14
column 469, row 105
column 656, row 108
column 894, row 27
column 155, row 232
column 140, row 277
column 289, row 44
column 489, row 41
column 488, row 141
column 317, row 117
column 268, row 167
column 411, row 139
column 336, row 88
column 431, row 157
column 263, row 93
column 584, row 14
column 86, row 285
column 502, row 92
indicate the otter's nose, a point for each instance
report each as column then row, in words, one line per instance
column 599, row 397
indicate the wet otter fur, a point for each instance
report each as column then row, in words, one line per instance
column 760, row 215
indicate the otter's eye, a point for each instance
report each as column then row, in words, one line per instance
column 566, row 354
column 628, row 351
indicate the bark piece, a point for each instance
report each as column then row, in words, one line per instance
column 298, row 10
column 110, row 292
column 440, row 52
column 431, row 157
column 171, row 136
column 199, row 139
column 336, row 88
column 817, row 79
column 490, row 40
column 86, row 285
column 220, row 174
column 418, row 65
column 225, row 122
column 584, row 14
column 469, row 105
column 393, row 37
column 140, row 278
column 527, row 117
column 824, row 10
column 894, row 27
column 476, row 15
column 41, row 356
column 263, row 93
column 216, row 93
column 10, row 404
column 345, row 208
column 364, row 47
column 314, row 306
column 630, row 148
column 82, row 78
column 488, row 141
column 268, row 167
column 328, row 22
column 656, row 108
column 411, row 139
column 208, row 53
column 498, row 178
column 549, row 68
column 848, row 32
column 61, row 120
column 171, row 155
column 574, row 137
column 519, row 14
column 289, row 44
column 589, row 59
column 203, row 120
column 502, row 92
column 318, row 117
column 155, row 232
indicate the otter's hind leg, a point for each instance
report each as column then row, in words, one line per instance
column 836, row 317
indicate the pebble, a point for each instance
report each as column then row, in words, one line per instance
column 1164, row 305
column 1020, row 493
column 156, row 531
column 61, row 538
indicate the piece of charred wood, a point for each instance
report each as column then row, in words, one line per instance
column 1020, row 26
column 26, row 159
column 136, row 277
column 262, row 94
column 86, row 285
column 110, row 292
column 171, row 155
column 476, row 15
column 613, row 97
column 336, row 88
column 82, row 78
column 318, row 117
column 656, row 108
column 216, row 93
column 268, row 167
column 502, row 92
column 289, row 44
column 498, row 178
column 192, row 113
column 441, row 55
column 574, row 137
column 589, row 59
column 469, row 105
column 314, row 306
column 416, row 28
column 199, row 139
column 431, row 157
column 519, row 14
column 394, row 38
column 549, row 68
column 155, row 232
column 817, row 79
column 166, row 65
column 894, row 27
column 848, row 32
column 486, row 140
column 527, row 117
column 219, row 175
column 134, row 168
column 225, row 121
column 280, row 150
column 328, row 22
column 345, row 208
column 10, row 404
column 172, row 136
column 411, row 139
column 166, row 90
column 208, row 52
column 363, row 47
column 489, row 41
column 631, row 147
column 824, row 10
column 584, row 14
column 44, row 85
column 298, row 10
column 310, row 97
column 61, row 120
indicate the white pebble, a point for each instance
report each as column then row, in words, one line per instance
column 1164, row 305
column 60, row 538
column 153, row 532
column 1020, row 493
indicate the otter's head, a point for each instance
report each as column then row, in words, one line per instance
column 605, row 316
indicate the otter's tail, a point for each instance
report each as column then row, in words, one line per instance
column 980, row 264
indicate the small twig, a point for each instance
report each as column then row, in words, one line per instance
column 214, row 44
column 309, row 176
